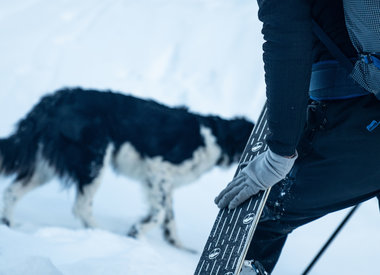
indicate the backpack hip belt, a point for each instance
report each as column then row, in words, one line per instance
column 331, row 81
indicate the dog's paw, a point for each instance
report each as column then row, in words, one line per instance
column 89, row 224
column 179, row 245
column 5, row 221
column 133, row 232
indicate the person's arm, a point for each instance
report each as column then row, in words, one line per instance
column 287, row 63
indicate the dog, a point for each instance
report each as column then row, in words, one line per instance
column 73, row 134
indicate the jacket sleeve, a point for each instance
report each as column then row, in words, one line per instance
column 287, row 64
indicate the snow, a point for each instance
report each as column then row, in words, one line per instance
column 205, row 54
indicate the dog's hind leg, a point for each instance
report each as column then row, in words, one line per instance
column 83, row 203
column 85, row 193
column 157, row 200
column 13, row 193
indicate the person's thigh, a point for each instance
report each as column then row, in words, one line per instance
column 339, row 160
column 337, row 167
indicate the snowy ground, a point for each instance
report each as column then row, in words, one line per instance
column 202, row 53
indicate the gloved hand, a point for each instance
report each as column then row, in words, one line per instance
column 264, row 171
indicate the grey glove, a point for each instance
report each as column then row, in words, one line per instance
column 264, row 171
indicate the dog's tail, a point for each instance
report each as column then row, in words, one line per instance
column 19, row 151
column 17, row 156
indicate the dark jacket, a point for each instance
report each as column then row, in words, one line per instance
column 290, row 49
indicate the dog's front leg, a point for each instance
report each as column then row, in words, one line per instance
column 156, row 198
column 169, row 226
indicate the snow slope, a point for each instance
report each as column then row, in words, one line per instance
column 205, row 54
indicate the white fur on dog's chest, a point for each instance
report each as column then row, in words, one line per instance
column 130, row 163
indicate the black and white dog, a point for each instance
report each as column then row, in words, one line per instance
column 75, row 133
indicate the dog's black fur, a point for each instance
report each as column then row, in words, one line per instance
column 70, row 131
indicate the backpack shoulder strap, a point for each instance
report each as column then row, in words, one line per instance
column 332, row 47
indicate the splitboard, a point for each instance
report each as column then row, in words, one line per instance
column 233, row 230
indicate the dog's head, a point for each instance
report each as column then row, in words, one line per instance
column 232, row 136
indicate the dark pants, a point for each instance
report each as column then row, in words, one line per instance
column 338, row 166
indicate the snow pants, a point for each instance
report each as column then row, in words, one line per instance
column 338, row 166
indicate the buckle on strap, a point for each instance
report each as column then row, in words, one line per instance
column 371, row 58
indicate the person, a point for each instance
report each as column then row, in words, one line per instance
column 323, row 151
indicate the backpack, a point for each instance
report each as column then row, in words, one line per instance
column 363, row 25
